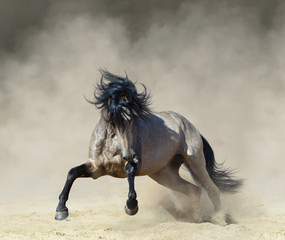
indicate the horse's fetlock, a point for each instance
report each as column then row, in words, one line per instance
column 132, row 195
column 61, row 208
column 132, row 203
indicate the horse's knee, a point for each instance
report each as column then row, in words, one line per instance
column 79, row 171
column 72, row 174
column 131, row 169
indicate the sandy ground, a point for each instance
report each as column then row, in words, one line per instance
column 103, row 217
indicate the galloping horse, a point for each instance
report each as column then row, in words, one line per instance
column 130, row 140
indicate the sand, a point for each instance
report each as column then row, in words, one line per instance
column 101, row 216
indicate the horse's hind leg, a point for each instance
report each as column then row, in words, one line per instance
column 198, row 166
column 84, row 170
column 170, row 178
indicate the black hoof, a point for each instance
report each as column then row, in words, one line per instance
column 131, row 212
column 61, row 215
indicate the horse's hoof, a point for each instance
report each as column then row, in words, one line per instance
column 229, row 219
column 131, row 212
column 61, row 215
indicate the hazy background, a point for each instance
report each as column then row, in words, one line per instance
column 218, row 63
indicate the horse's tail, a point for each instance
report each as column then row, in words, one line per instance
column 223, row 179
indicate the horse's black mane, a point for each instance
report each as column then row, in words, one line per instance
column 116, row 87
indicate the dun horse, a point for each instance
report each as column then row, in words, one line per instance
column 130, row 140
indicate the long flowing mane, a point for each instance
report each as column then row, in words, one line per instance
column 109, row 93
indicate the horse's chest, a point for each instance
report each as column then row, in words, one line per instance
column 112, row 160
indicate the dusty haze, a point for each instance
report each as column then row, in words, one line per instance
column 218, row 63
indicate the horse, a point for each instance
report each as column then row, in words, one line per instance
column 132, row 140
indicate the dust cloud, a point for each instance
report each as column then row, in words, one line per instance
column 218, row 63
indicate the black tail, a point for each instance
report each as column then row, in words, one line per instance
column 223, row 179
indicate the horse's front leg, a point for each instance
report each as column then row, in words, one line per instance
column 84, row 170
column 131, row 207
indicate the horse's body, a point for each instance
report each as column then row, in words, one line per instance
column 163, row 136
column 129, row 143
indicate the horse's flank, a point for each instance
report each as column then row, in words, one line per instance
column 163, row 137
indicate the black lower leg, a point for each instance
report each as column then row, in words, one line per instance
column 132, row 203
column 80, row 171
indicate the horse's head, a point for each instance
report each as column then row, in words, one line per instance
column 120, row 101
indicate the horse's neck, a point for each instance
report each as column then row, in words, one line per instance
column 112, row 137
